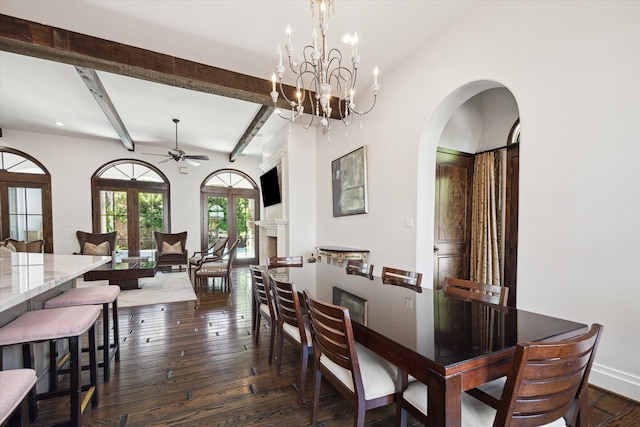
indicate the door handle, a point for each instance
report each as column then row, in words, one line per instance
column 436, row 249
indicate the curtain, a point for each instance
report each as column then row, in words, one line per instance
column 486, row 221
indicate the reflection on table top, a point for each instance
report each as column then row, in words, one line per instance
column 26, row 275
column 443, row 330
column 134, row 265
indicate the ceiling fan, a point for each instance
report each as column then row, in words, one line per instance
column 179, row 155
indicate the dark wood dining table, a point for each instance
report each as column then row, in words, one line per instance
column 450, row 345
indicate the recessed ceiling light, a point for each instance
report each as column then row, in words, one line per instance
column 59, row 124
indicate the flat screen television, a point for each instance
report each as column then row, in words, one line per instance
column 270, row 188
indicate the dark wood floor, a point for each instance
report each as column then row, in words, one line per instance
column 195, row 363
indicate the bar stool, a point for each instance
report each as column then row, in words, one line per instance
column 104, row 295
column 59, row 323
column 15, row 384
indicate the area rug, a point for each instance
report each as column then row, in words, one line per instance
column 163, row 288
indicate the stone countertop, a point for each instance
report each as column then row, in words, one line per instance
column 26, row 275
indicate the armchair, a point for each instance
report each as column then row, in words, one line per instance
column 217, row 266
column 96, row 243
column 171, row 249
column 216, row 249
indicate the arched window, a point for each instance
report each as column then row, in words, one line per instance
column 25, row 198
column 131, row 197
column 229, row 205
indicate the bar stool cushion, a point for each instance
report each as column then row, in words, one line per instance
column 15, row 385
column 42, row 325
column 84, row 296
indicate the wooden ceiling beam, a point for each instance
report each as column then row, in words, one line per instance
column 91, row 79
column 252, row 130
column 42, row 41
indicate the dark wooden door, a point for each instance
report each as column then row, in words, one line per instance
column 511, row 222
column 452, row 234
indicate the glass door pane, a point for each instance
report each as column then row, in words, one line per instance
column 245, row 228
column 150, row 219
column 113, row 217
column 25, row 213
column 217, row 219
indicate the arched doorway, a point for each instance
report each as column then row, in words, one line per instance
column 131, row 197
column 229, row 207
column 25, row 198
column 477, row 118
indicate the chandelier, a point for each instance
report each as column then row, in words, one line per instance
column 321, row 76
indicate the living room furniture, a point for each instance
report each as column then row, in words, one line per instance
column 94, row 243
column 217, row 266
column 35, row 246
column 217, row 249
column 171, row 249
column 123, row 274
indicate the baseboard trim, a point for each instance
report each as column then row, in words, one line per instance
column 618, row 382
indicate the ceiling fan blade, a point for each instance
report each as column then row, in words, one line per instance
column 190, row 162
column 154, row 154
column 197, row 157
column 165, row 160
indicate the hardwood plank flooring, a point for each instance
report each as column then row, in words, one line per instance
column 196, row 364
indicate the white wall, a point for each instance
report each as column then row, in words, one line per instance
column 573, row 69
column 72, row 162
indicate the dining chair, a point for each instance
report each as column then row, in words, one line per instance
column 284, row 261
column 359, row 268
column 547, row 385
column 398, row 277
column 364, row 378
column 216, row 249
column 292, row 326
column 217, row 266
column 266, row 308
column 469, row 290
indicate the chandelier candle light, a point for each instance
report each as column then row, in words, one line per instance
column 320, row 72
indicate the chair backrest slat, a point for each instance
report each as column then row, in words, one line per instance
column 332, row 333
column 547, row 381
column 261, row 289
column 285, row 261
column 469, row 290
column 405, row 278
column 359, row 268
column 288, row 305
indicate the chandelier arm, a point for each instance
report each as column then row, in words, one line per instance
column 362, row 113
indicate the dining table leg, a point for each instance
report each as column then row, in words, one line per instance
column 444, row 399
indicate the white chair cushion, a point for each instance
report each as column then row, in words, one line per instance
column 474, row 412
column 378, row 375
column 264, row 308
column 294, row 332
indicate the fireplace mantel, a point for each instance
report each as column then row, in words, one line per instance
column 273, row 230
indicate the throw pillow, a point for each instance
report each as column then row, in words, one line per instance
column 102, row 249
column 36, row 246
column 18, row 245
column 7, row 247
column 168, row 249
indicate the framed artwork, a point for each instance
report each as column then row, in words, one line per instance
column 349, row 183
column 357, row 306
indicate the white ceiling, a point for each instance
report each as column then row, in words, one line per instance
column 240, row 36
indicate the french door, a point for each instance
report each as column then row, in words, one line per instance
column 229, row 211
